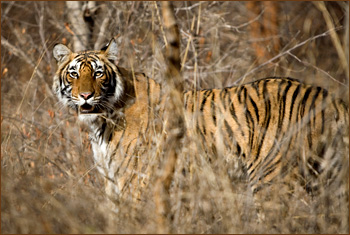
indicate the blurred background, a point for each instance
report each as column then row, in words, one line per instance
column 48, row 180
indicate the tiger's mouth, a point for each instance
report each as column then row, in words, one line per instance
column 88, row 109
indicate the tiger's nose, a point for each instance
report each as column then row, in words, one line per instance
column 86, row 95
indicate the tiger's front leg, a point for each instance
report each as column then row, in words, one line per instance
column 104, row 166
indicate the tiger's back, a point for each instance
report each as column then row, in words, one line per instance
column 278, row 126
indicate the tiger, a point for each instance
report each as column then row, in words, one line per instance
column 277, row 126
column 106, row 97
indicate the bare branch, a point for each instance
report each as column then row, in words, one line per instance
column 174, row 114
column 102, row 34
column 6, row 11
column 80, row 28
column 20, row 54
column 17, row 52
column 41, row 31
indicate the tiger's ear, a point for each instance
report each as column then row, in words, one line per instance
column 61, row 53
column 111, row 52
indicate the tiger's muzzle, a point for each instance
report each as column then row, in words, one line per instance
column 86, row 105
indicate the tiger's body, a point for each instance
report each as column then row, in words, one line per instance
column 277, row 126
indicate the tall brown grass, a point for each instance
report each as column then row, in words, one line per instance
column 49, row 183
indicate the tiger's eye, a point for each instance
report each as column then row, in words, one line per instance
column 73, row 74
column 98, row 74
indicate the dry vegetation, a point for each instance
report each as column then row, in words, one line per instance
column 48, row 180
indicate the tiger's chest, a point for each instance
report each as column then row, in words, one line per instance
column 101, row 154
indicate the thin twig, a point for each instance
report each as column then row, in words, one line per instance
column 42, row 33
column 25, row 92
column 335, row 39
column 244, row 24
column 286, row 52
column 318, row 69
column 160, row 23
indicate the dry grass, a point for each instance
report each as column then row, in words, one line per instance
column 48, row 180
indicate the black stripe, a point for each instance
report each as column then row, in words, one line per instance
column 266, row 123
column 273, row 152
column 77, row 59
column 304, row 100
column 251, row 127
column 313, row 110
column 205, row 96
column 271, row 168
column 336, row 108
column 239, row 94
column 255, row 85
column 282, row 109
column 250, row 166
column 223, row 94
column 233, row 114
column 295, row 94
column 94, row 57
column 212, row 107
column 255, row 108
column 101, row 131
column 110, row 137
column 228, row 128
column 239, row 150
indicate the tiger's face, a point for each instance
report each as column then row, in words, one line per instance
column 88, row 81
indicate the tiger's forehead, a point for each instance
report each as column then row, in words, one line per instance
column 90, row 59
column 87, row 53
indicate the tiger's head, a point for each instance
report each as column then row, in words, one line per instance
column 88, row 81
